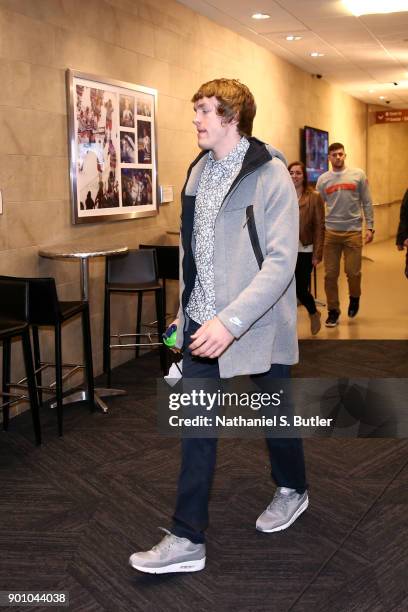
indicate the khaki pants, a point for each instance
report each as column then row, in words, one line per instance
column 336, row 243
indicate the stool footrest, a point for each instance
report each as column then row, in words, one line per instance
column 129, row 345
column 15, row 398
column 73, row 368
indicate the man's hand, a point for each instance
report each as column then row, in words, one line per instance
column 369, row 237
column 211, row 339
column 315, row 261
column 400, row 247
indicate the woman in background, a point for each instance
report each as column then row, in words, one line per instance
column 311, row 240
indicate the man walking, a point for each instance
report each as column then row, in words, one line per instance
column 347, row 196
column 237, row 316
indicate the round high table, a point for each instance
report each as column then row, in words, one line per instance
column 84, row 253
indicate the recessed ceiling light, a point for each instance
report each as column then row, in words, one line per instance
column 381, row 97
column 260, row 16
column 292, row 37
column 316, row 54
column 371, row 90
column 373, row 7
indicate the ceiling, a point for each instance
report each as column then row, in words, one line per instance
column 365, row 56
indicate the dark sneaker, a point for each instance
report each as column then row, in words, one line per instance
column 333, row 318
column 353, row 307
column 283, row 510
column 171, row 554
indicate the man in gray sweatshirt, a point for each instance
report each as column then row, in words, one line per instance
column 347, row 197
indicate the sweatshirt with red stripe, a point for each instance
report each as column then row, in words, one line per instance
column 347, row 198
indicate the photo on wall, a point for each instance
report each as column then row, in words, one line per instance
column 113, row 170
column 144, row 142
column 96, row 151
column 127, row 111
column 136, row 187
column 144, row 106
column 127, row 148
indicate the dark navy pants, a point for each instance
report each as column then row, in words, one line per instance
column 198, row 456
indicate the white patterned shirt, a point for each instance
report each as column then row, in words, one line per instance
column 215, row 182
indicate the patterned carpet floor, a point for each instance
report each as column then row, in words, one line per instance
column 73, row 510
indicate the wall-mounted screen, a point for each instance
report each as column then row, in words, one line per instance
column 315, row 148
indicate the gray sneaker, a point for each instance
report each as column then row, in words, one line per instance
column 171, row 554
column 283, row 510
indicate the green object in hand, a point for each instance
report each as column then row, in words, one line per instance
column 170, row 335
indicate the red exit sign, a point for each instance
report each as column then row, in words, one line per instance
column 391, row 116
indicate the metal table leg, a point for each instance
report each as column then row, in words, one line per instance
column 98, row 392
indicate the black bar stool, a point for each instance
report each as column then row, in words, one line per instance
column 46, row 310
column 14, row 306
column 135, row 272
column 168, row 257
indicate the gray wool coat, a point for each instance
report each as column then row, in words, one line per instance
column 258, row 306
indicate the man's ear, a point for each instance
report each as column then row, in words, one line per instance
column 233, row 121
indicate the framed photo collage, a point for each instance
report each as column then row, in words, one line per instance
column 113, row 152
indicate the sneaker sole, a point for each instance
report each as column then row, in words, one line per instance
column 332, row 324
column 298, row 512
column 186, row 566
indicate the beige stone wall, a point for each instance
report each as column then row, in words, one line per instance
column 387, row 160
column 159, row 44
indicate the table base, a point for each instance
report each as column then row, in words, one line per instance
column 99, row 393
